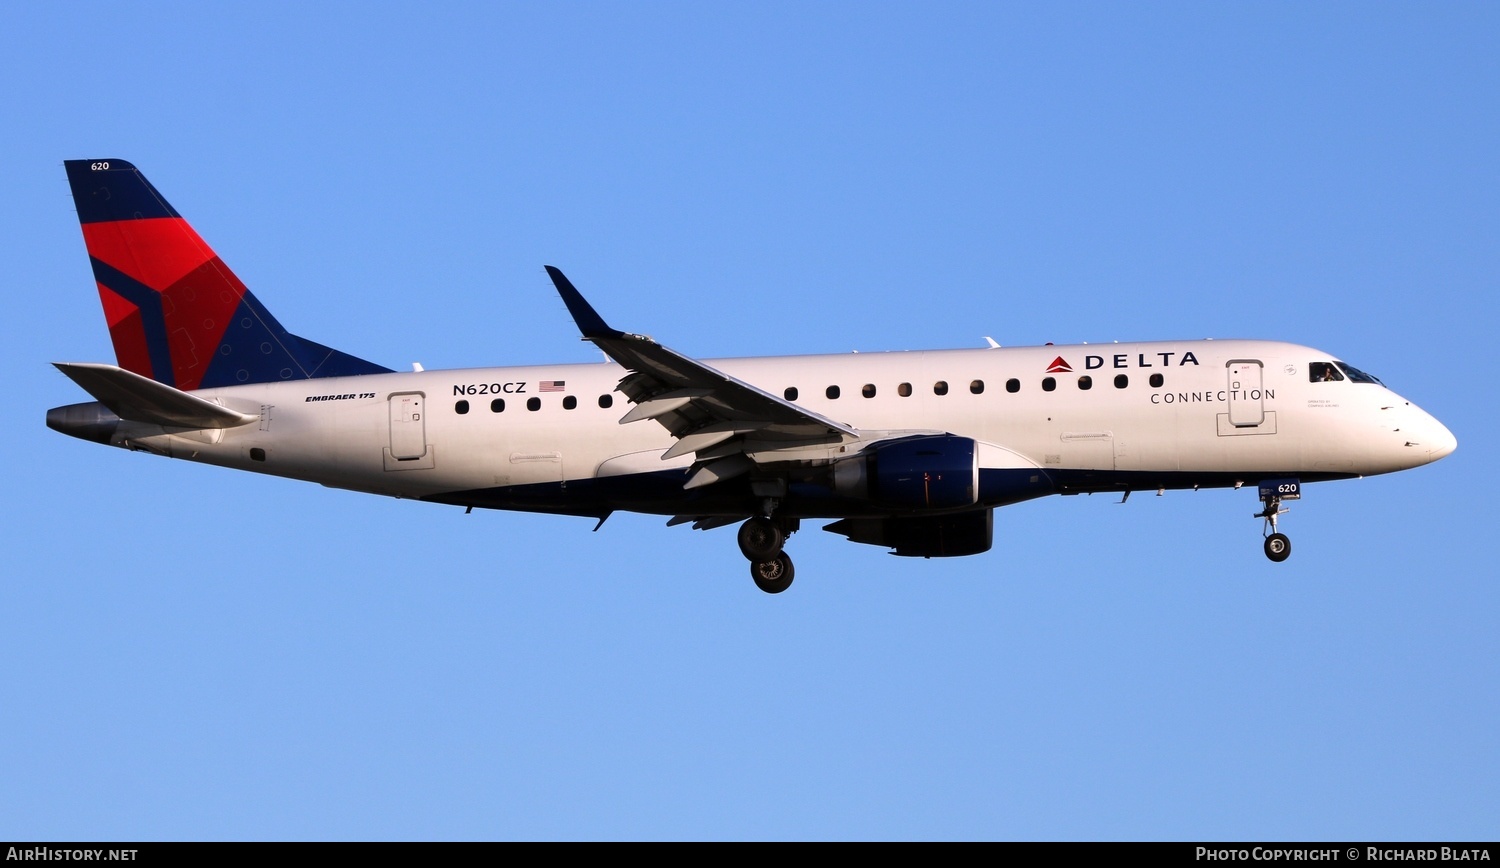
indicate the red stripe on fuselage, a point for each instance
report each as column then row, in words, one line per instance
column 156, row 251
column 126, row 332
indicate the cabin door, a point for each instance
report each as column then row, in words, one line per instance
column 408, row 428
column 1246, row 409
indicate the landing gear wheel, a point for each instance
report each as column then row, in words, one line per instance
column 1272, row 493
column 773, row 576
column 1278, row 547
column 760, row 539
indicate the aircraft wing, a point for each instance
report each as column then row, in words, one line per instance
column 708, row 411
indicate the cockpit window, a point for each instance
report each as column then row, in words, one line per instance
column 1323, row 372
column 1358, row 376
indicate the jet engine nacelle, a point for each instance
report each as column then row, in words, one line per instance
column 928, row 471
column 924, row 536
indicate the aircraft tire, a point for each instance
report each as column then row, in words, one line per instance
column 760, row 539
column 773, row 576
column 1278, row 547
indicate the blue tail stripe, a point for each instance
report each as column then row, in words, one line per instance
column 254, row 349
column 324, row 361
column 152, row 319
column 108, row 190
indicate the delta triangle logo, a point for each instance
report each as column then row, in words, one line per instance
column 1059, row 366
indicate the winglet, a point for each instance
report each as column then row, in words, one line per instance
column 589, row 321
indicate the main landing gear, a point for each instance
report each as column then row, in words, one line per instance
column 1272, row 493
column 761, row 539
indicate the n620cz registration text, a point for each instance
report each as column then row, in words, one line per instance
column 490, row 388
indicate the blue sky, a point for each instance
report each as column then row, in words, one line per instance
column 191, row 653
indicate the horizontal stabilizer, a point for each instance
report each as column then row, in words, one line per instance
column 141, row 399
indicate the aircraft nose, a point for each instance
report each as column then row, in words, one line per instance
column 1440, row 441
column 1426, row 435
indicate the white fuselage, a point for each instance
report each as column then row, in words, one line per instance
column 1221, row 412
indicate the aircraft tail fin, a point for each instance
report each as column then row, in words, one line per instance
column 176, row 313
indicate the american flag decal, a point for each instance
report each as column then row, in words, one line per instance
column 551, row 386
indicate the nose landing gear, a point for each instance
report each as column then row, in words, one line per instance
column 1272, row 492
column 761, row 539
column 1278, row 547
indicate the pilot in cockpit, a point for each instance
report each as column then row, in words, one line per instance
column 1323, row 372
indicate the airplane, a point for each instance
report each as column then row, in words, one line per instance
column 910, row 451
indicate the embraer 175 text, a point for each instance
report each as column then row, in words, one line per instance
column 911, row 450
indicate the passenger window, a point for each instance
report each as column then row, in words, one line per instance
column 1012, row 385
column 533, row 404
column 1121, row 381
column 868, row 391
column 976, row 386
column 461, row 407
column 1085, row 382
column 497, row 405
column 1157, row 380
column 790, row 394
column 832, row 392
column 1323, row 372
column 569, row 402
column 606, row 401
column 904, row 390
column 940, row 387
column 1048, row 384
